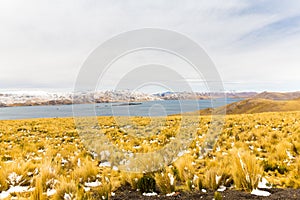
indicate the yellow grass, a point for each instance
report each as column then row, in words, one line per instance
column 45, row 152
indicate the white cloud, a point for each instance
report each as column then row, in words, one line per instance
column 44, row 43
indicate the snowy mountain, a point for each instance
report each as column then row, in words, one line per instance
column 32, row 98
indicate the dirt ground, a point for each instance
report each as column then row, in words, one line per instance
column 276, row 194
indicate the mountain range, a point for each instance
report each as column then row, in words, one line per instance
column 29, row 98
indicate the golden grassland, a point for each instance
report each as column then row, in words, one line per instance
column 48, row 157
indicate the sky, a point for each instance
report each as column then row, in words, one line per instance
column 254, row 44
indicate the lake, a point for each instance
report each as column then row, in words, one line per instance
column 150, row 108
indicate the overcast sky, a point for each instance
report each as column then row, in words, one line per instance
column 255, row 45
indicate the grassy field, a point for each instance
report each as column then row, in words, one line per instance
column 46, row 159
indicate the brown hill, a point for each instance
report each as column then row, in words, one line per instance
column 250, row 106
column 278, row 95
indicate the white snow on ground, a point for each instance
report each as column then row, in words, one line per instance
column 104, row 154
column 4, row 195
column 150, row 194
column 221, row 188
column 170, row 194
column 172, row 179
column 41, row 151
column 14, row 178
column 218, row 178
column 195, row 178
column 93, row 184
column 15, row 189
column 181, row 153
column 291, row 157
column 105, row 164
column 94, row 154
column 64, row 161
column 263, row 184
column 258, row 192
column 9, row 161
column 50, row 192
column 37, row 158
column 67, row 196
column 78, row 162
column 18, row 189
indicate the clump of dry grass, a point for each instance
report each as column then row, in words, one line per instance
column 165, row 180
column 48, row 173
column 66, row 189
column 294, row 177
column 212, row 179
column 246, row 171
column 184, row 171
column 184, row 166
column 18, row 173
column 3, row 176
column 86, row 171
column 131, row 179
column 38, row 190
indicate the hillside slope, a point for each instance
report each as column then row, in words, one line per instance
column 278, row 95
column 254, row 105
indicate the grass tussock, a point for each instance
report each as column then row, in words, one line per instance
column 246, row 171
column 166, row 181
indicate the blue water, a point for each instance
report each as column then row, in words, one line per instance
column 150, row 108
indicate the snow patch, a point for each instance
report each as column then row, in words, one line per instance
column 93, row 184
column 51, row 192
column 218, row 178
column 291, row 157
column 150, row 194
column 14, row 178
column 68, row 196
column 181, row 153
column 260, row 193
column 263, row 184
column 172, row 179
column 105, row 164
column 222, row 188
column 170, row 194
column 4, row 195
column 78, row 162
column 18, row 189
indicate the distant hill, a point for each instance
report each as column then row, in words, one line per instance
column 253, row 105
column 278, row 95
column 34, row 98
column 202, row 95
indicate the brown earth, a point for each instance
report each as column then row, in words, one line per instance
column 125, row 193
